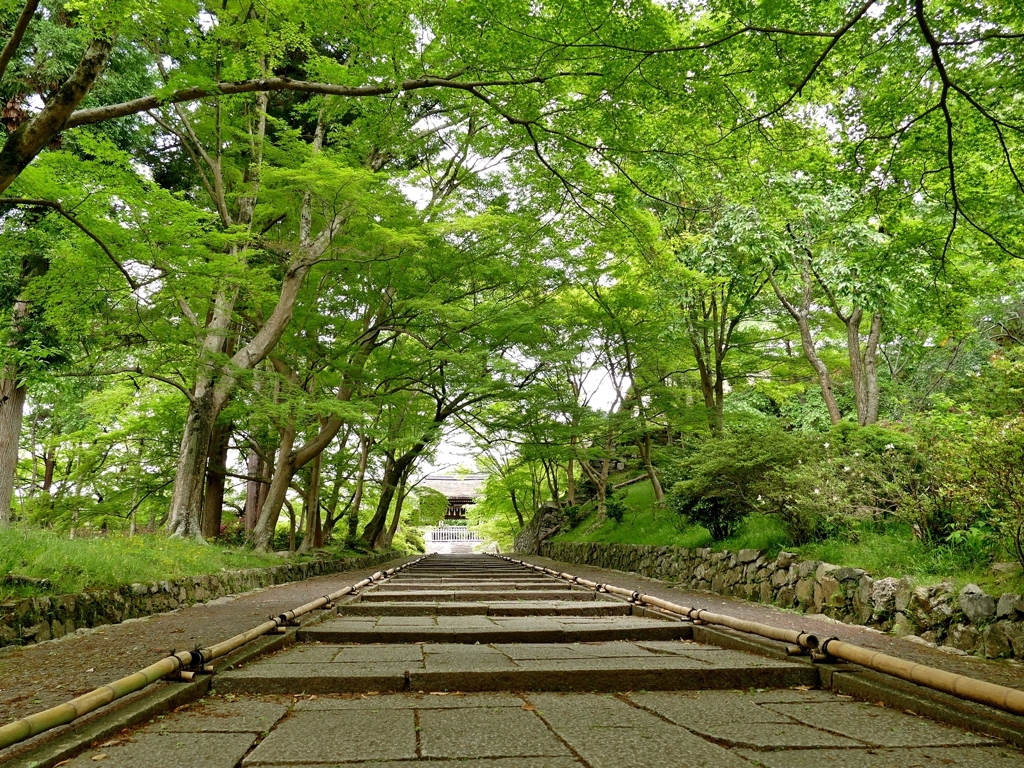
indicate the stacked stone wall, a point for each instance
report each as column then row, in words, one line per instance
column 960, row 621
column 34, row 619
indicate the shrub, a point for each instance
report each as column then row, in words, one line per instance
column 615, row 507
column 718, row 484
column 572, row 515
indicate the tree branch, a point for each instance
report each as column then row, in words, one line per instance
column 56, row 206
column 112, row 111
column 19, row 32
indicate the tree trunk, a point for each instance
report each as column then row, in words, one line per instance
column 570, row 481
column 213, row 496
column 801, row 316
column 384, row 542
column 49, row 466
column 270, row 511
column 357, row 496
column 314, row 538
column 856, row 364
column 254, row 467
column 12, row 406
column 187, row 496
column 646, row 449
column 389, row 484
column 871, row 369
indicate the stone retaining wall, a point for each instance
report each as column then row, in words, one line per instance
column 34, row 619
column 964, row 621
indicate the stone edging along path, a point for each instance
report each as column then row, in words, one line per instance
column 964, row 621
column 35, row 619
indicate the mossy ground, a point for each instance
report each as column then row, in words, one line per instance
column 110, row 561
column 892, row 550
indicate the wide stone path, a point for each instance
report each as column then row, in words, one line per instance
column 475, row 661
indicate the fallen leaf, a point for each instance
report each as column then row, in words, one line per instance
column 439, row 693
column 100, row 756
column 529, row 707
column 802, row 688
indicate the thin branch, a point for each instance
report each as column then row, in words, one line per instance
column 137, row 371
column 112, row 111
column 56, row 206
column 19, row 32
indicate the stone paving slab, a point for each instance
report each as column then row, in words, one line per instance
column 501, row 762
column 716, row 729
column 878, row 726
column 486, row 629
column 609, row 733
column 615, row 666
column 271, row 678
column 222, row 716
column 488, row 585
column 599, row 607
column 946, row 757
column 412, row 700
column 330, row 737
column 461, row 596
column 170, row 750
column 498, row 732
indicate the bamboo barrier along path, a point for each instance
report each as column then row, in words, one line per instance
column 182, row 665
column 998, row 696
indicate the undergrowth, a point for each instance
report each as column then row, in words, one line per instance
column 891, row 550
column 111, row 561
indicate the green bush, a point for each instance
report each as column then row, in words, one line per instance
column 572, row 515
column 718, row 483
column 615, row 507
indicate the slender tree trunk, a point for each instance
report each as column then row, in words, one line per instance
column 646, row 449
column 12, row 406
column 187, row 496
column 871, row 369
column 357, row 496
column 384, row 542
column 516, row 509
column 570, row 479
column 49, row 466
column 213, row 497
column 389, row 483
column 277, row 493
column 857, row 364
column 253, row 468
column 34, row 482
column 801, row 315
column 314, row 538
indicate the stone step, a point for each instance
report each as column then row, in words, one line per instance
column 489, row 585
column 503, row 608
column 492, row 629
column 474, row 595
column 609, row 666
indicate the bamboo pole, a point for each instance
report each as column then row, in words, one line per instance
column 998, row 696
column 32, row 725
column 961, row 686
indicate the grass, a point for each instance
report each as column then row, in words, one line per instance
column 891, row 551
column 110, row 561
